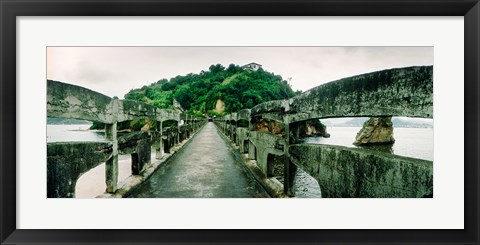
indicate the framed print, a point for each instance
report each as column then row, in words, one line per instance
column 50, row 48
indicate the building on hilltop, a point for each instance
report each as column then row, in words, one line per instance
column 252, row 66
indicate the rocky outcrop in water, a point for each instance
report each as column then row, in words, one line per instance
column 313, row 127
column 376, row 130
column 307, row 128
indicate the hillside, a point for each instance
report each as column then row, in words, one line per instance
column 215, row 91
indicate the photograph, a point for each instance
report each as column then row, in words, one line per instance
column 240, row 122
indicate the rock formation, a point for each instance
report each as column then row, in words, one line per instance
column 307, row 128
column 376, row 130
column 270, row 126
column 313, row 127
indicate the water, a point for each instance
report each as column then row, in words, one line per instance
column 73, row 133
column 409, row 142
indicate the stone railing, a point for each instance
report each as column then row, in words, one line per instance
column 67, row 161
column 269, row 133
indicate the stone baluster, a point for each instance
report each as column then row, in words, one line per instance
column 290, row 169
column 111, row 166
column 159, row 149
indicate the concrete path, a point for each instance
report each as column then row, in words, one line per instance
column 205, row 167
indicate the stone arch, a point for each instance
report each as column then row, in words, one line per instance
column 87, row 180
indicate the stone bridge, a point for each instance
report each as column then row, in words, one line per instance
column 340, row 171
column 67, row 161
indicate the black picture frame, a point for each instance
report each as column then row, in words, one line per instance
column 10, row 9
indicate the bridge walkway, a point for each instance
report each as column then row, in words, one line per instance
column 205, row 167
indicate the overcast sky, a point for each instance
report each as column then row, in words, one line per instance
column 113, row 71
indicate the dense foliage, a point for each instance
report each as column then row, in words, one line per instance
column 198, row 93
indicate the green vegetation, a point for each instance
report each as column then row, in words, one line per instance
column 198, row 93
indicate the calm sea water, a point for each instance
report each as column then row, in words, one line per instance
column 67, row 133
column 409, row 142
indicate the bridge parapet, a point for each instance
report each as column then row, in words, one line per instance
column 243, row 115
column 67, row 161
column 406, row 92
column 71, row 101
column 350, row 172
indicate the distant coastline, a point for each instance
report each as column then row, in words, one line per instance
column 65, row 121
column 397, row 122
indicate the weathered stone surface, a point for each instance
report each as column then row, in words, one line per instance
column 265, row 144
column 394, row 92
column 376, row 130
column 352, row 172
column 127, row 144
column 70, row 101
column 277, row 106
column 243, row 115
column 242, row 136
column 397, row 92
column 131, row 109
column 142, row 156
column 167, row 115
column 66, row 162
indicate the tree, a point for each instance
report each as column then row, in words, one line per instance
column 237, row 88
column 216, row 68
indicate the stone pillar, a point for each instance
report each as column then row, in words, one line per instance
column 177, row 138
column 159, row 149
column 111, row 166
column 188, row 124
column 142, row 156
column 251, row 148
column 235, row 135
column 293, row 133
column 290, row 169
